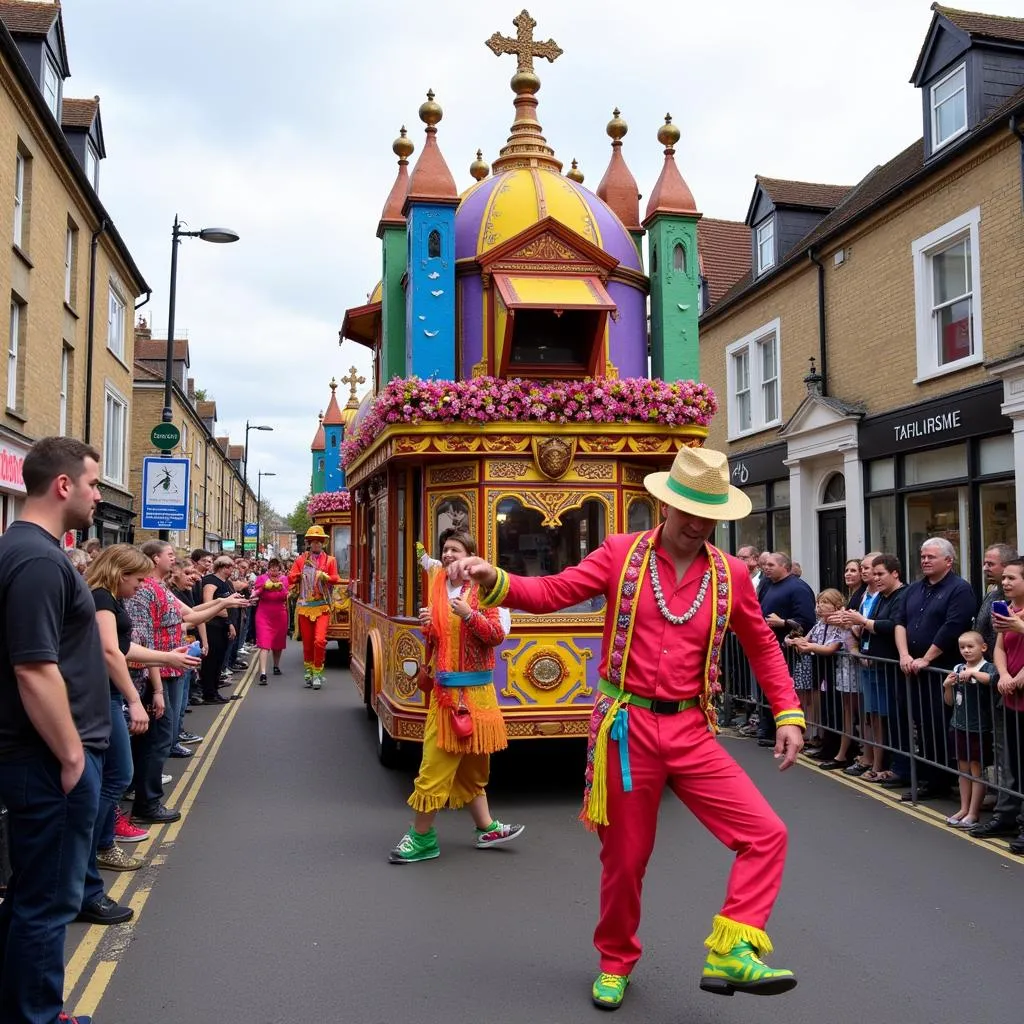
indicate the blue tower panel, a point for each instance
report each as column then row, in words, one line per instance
column 430, row 291
column 334, row 478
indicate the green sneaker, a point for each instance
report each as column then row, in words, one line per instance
column 742, row 970
column 609, row 990
column 413, row 847
column 318, row 679
column 307, row 675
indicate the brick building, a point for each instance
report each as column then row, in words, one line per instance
column 215, row 504
column 70, row 280
column 870, row 364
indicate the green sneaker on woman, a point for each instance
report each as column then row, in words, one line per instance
column 609, row 990
column 742, row 970
column 414, row 846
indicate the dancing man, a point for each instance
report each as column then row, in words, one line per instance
column 672, row 596
column 312, row 576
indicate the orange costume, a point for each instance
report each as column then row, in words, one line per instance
column 311, row 578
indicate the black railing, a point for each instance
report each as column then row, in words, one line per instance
column 902, row 722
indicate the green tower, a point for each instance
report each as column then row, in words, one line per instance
column 391, row 232
column 674, row 268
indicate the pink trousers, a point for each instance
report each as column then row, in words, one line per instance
column 678, row 751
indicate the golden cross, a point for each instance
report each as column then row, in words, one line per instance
column 524, row 46
column 353, row 380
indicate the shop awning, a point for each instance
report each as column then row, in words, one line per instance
column 520, row 291
column 360, row 324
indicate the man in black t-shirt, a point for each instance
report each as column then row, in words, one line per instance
column 54, row 725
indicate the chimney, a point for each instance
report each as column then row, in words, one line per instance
column 142, row 331
column 190, row 389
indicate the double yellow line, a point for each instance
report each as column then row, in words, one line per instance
column 92, row 965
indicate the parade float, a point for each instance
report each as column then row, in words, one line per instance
column 330, row 503
column 520, row 393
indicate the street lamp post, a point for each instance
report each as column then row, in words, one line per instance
column 245, row 476
column 259, row 498
column 207, row 235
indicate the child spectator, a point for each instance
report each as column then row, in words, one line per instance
column 971, row 727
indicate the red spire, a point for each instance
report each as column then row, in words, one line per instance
column 431, row 179
column 392, row 215
column 333, row 415
column 671, row 194
column 618, row 186
column 320, row 441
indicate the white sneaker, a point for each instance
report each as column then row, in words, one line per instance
column 165, row 779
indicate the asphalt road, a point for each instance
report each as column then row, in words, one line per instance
column 275, row 901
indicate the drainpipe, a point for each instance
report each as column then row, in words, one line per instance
column 139, row 305
column 1015, row 128
column 90, row 331
column 822, row 347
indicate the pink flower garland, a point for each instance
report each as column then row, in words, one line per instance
column 493, row 399
column 329, row 501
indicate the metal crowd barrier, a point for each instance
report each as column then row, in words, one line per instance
column 915, row 735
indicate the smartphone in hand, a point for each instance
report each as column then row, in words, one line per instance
column 1000, row 608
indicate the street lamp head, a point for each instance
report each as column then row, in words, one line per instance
column 269, row 473
column 218, row 235
column 261, row 428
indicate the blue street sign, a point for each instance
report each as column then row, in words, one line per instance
column 165, row 491
column 252, row 530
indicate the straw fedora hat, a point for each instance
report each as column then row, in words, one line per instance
column 316, row 532
column 698, row 483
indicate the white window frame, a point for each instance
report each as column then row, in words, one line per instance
column 19, row 198
column 765, row 232
column 69, row 263
column 750, row 344
column 65, row 363
column 92, row 166
column 114, row 452
column 13, row 354
column 938, row 143
column 922, row 250
column 116, row 308
column 52, row 75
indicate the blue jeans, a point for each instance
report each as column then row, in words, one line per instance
column 151, row 750
column 116, row 777
column 50, row 838
column 187, row 681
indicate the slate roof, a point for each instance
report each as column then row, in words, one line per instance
column 78, row 113
column 724, row 248
column 148, row 372
column 805, row 194
column 29, row 19
column 984, row 26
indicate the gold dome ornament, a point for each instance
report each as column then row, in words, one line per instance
column 575, row 174
column 617, row 127
column 668, row 133
column 479, row 168
column 430, row 112
column 403, row 146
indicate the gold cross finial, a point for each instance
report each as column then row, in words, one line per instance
column 353, row 380
column 524, row 46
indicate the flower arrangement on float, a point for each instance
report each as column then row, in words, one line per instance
column 494, row 399
column 329, row 501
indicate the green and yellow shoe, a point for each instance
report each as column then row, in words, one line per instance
column 609, row 990
column 742, row 970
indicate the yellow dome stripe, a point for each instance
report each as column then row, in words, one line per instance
column 568, row 207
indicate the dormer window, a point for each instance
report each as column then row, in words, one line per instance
column 949, row 107
column 92, row 166
column 766, row 245
column 51, row 87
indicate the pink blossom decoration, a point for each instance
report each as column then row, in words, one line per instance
column 329, row 501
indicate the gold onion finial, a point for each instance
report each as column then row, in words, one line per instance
column 402, row 147
column 668, row 133
column 575, row 174
column 616, row 127
column 430, row 112
column 479, row 168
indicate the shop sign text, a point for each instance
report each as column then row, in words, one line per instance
column 928, row 425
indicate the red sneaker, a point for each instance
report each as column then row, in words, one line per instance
column 125, row 831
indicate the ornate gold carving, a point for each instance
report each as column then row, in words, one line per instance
column 406, row 646
column 505, row 443
column 457, row 443
column 586, row 470
column 546, row 247
column 479, row 369
column 546, row 670
column 410, row 445
column 513, row 266
column 554, row 455
column 602, row 444
column 551, row 504
column 452, row 474
column 508, row 469
column 633, row 475
column 651, row 445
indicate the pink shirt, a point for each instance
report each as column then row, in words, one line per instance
column 666, row 662
column 1013, row 644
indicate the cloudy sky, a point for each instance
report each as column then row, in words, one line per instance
column 276, row 119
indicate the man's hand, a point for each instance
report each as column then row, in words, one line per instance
column 232, row 632
column 775, row 621
column 918, row 665
column 181, row 659
column 907, row 664
column 789, row 741
column 71, row 771
column 473, row 568
column 138, row 720
column 158, row 705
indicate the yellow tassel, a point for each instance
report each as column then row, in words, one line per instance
column 422, row 804
column 726, row 933
column 597, row 807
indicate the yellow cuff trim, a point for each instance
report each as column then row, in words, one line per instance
column 791, row 718
column 497, row 594
column 726, row 933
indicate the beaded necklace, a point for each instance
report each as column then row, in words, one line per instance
column 659, row 597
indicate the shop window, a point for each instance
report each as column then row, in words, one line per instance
column 995, row 455
column 758, row 495
column 527, row 548
column 882, row 525
column 834, row 492
column 753, row 381
column 938, row 513
column 935, row 466
column 948, row 304
column 752, row 531
column 882, row 475
column 782, row 536
column 997, row 503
